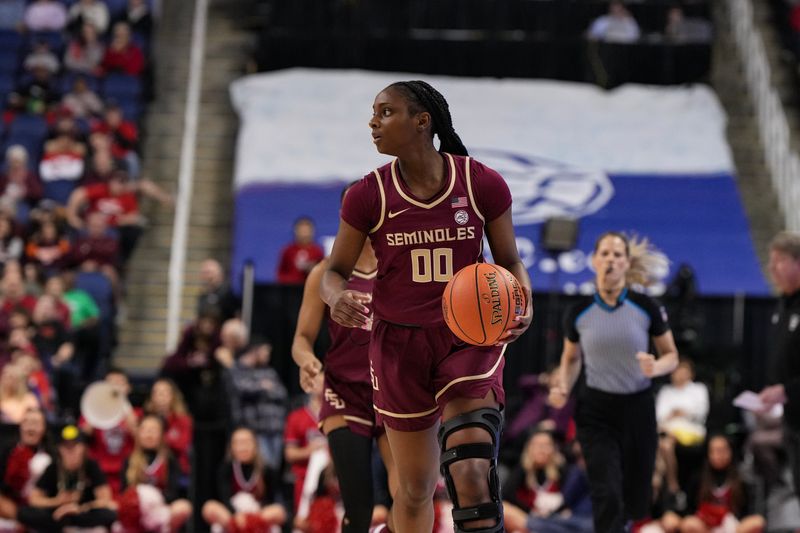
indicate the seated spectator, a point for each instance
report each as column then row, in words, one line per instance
column 87, row 332
column 685, row 30
column 118, row 200
column 101, row 164
column 31, row 366
column 122, row 54
column 14, row 294
column 72, row 492
column 11, row 245
column 97, row 249
column 233, row 339
column 664, row 517
column 85, row 52
column 12, row 14
column 92, row 12
column 41, row 57
column 533, row 489
column 39, row 93
column 723, row 502
column 22, row 464
column 299, row 257
column 258, row 400
column 19, row 186
column 111, row 447
column 48, row 248
column 681, row 411
column 56, row 351
column 247, row 489
column 45, row 15
column 151, row 463
column 62, row 164
column 138, row 16
column 81, row 101
column 216, row 295
column 536, row 412
column 302, row 437
column 618, row 26
column 15, row 396
column 166, row 402
column 55, row 287
column 124, row 137
column 52, row 340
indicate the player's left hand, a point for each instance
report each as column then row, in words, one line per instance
column 521, row 323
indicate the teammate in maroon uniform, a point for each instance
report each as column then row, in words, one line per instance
column 426, row 214
column 346, row 415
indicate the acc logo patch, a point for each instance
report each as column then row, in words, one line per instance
column 461, row 217
column 544, row 189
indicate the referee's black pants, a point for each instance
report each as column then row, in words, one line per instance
column 618, row 436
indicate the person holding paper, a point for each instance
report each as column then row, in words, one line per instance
column 784, row 356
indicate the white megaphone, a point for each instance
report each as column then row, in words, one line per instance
column 103, row 405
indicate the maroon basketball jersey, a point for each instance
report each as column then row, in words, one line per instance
column 420, row 244
column 347, row 358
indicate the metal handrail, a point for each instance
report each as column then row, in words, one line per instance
column 782, row 161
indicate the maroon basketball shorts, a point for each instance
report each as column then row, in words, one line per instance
column 416, row 371
column 353, row 401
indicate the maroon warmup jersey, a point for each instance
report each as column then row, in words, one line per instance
column 421, row 243
column 347, row 358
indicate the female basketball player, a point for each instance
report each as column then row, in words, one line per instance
column 615, row 415
column 347, row 416
column 426, row 214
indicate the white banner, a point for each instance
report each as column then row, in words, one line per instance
column 304, row 125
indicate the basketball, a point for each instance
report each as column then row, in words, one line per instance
column 480, row 302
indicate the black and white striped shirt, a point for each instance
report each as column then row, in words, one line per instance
column 610, row 337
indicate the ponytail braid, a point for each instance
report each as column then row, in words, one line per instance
column 423, row 97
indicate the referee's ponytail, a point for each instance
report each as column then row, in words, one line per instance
column 423, row 97
column 648, row 263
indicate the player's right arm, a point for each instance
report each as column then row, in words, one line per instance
column 568, row 373
column 347, row 306
column 309, row 320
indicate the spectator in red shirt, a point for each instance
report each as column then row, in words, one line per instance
column 118, row 200
column 14, row 294
column 123, row 55
column 124, row 137
column 298, row 258
column 303, row 437
column 166, row 402
column 110, row 447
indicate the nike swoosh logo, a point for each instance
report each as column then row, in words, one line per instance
column 392, row 215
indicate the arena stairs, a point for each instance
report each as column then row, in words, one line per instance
column 143, row 327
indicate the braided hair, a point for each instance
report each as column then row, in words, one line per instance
column 423, row 97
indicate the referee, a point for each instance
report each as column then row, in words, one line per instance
column 609, row 334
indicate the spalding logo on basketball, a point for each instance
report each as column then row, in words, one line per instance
column 480, row 303
column 544, row 189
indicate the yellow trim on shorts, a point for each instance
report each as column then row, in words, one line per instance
column 357, row 420
column 433, row 203
column 383, row 201
column 473, row 378
column 401, row 415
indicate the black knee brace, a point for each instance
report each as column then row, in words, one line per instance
column 490, row 420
